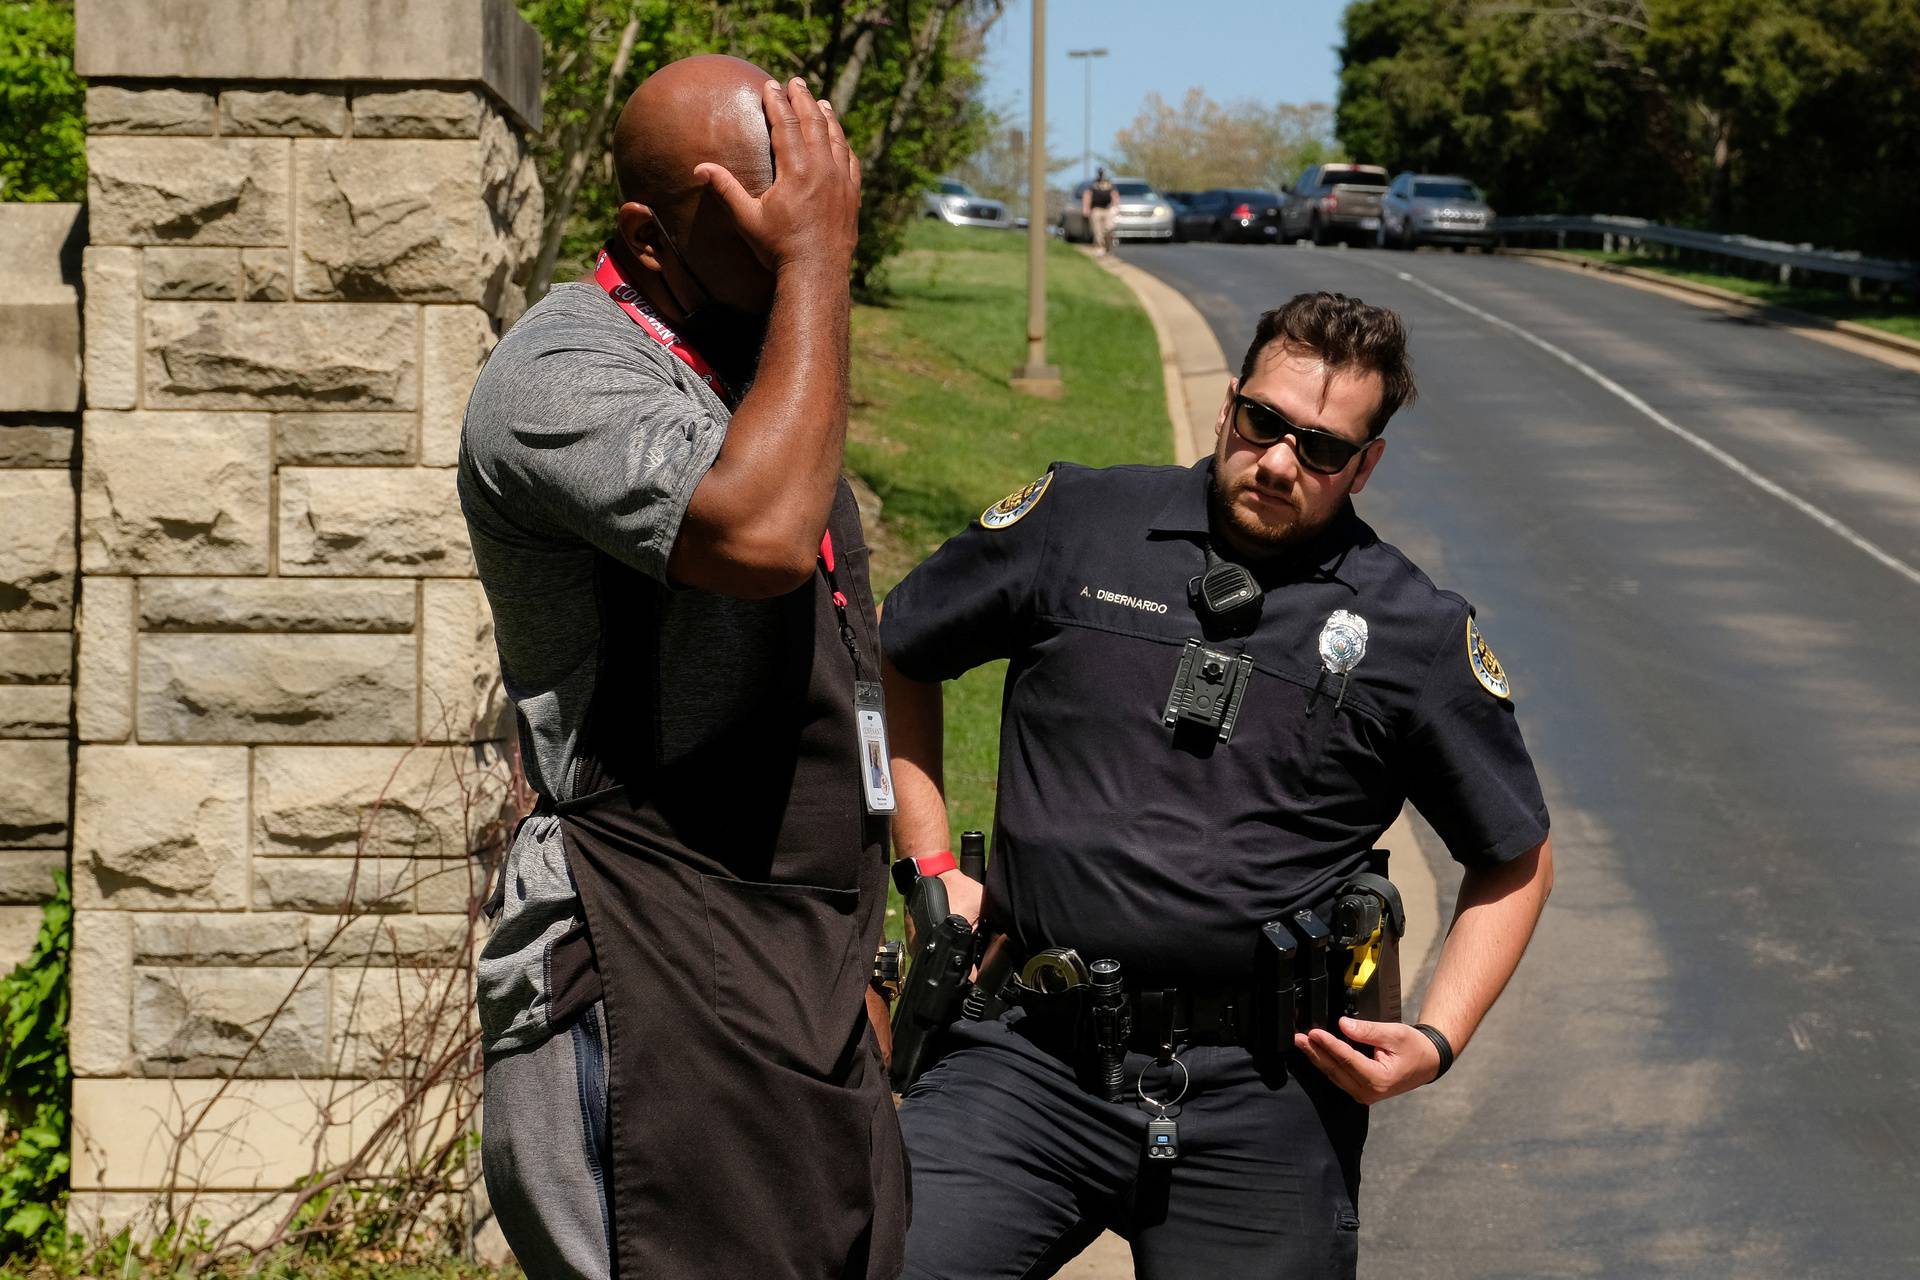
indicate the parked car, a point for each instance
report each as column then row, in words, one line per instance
column 1141, row 213
column 1193, row 216
column 1179, row 201
column 1330, row 202
column 956, row 202
column 1238, row 214
column 1434, row 208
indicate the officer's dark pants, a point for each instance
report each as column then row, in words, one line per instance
column 1017, row 1167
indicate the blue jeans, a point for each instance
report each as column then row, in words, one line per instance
column 544, row 1150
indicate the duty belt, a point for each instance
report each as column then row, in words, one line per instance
column 1167, row 1017
column 1308, row 972
column 1163, row 1016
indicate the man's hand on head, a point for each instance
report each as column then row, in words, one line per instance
column 810, row 215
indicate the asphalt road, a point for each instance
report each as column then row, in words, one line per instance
column 1709, row 1064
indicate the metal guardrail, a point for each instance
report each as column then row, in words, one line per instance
column 1790, row 258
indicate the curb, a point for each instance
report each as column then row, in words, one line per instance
column 1191, row 362
column 1195, row 369
column 1771, row 312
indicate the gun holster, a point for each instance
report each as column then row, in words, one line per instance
column 943, row 954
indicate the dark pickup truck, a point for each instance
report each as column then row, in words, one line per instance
column 1330, row 202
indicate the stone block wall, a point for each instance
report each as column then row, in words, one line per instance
column 289, row 718
column 39, row 422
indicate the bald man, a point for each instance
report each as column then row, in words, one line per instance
column 680, row 1080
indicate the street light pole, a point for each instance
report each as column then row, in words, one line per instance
column 1036, row 377
column 1086, row 138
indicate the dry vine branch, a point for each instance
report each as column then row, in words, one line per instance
column 404, row 1181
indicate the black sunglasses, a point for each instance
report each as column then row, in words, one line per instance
column 1263, row 427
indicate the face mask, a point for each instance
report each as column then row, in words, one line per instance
column 728, row 336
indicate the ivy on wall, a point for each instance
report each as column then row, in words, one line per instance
column 36, row 1084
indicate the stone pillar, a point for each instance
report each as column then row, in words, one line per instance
column 310, row 219
column 39, row 417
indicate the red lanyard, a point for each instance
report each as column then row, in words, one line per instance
column 606, row 274
column 839, row 601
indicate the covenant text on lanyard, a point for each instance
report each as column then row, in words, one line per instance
column 606, row 273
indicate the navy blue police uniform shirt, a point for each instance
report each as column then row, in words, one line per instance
column 1118, row 836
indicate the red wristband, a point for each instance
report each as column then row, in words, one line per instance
column 933, row 864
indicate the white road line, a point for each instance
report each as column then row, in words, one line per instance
column 1659, row 419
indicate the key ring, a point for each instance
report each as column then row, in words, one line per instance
column 1186, row 1082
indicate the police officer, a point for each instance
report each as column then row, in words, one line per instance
column 1129, row 831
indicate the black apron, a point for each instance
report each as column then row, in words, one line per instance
column 734, row 889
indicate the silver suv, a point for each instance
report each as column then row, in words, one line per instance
column 1434, row 208
column 955, row 202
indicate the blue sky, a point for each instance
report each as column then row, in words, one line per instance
column 1268, row 50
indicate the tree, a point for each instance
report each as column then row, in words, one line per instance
column 998, row 166
column 43, row 132
column 1203, row 144
column 1795, row 119
column 592, row 53
column 902, row 75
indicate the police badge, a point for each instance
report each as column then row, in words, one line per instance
column 1343, row 642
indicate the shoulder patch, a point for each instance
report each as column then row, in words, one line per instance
column 1486, row 668
column 1014, row 507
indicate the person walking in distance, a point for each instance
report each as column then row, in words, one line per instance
column 1097, row 206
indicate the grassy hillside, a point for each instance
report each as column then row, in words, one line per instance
column 939, row 436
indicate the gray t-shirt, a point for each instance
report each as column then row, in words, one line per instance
column 583, row 435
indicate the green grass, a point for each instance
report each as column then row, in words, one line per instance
column 1894, row 317
column 939, row 435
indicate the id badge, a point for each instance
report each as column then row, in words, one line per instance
column 876, row 761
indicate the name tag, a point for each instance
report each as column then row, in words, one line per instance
column 876, row 761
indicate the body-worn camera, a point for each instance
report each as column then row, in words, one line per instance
column 1208, row 689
